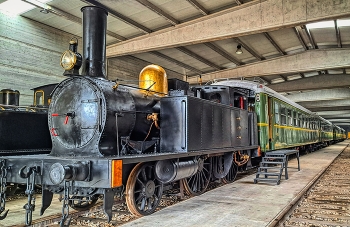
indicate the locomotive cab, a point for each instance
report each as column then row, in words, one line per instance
column 223, row 94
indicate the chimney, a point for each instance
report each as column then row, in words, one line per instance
column 94, row 41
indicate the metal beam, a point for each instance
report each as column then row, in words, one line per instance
column 160, row 12
column 333, row 112
column 311, row 38
column 223, row 53
column 160, row 55
column 67, row 16
column 268, row 81
column 119, row 16
column 323, row 81
column 273, row 42
column 320, row 109
column 301, row 40
column 337, row 33
column 283, row 77
column 199, row 7
column 199, row 58
column 337, row 117
column 253, row 17
column 326, row 103
column 251, row 51
column 320, row 95
column 238, row 2
column 307, row 61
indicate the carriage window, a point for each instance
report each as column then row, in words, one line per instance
column 295, row 115
column 283, row 115
column 290, row 117
column 306, row 122
column 277, row 115
column 299, row 120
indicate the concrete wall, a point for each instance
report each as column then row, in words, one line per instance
column 30, row 55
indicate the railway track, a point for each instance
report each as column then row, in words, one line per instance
column 96, row 217
column 325, row 201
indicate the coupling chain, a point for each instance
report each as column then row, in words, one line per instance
column 3, row 182
column 65, row 206
column 30, row 205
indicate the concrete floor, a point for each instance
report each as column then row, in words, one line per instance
column 16, row 215
column 243, row 203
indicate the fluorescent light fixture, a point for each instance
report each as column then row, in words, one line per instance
column 17, row 7
column 343, row 23
column 322, row 24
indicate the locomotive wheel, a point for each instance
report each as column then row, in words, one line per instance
column 143, row 190
column 231, row 176
column 198, row 183
column 82, row 203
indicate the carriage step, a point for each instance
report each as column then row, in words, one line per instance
column 272, row 180
column 268, row 167
column 272, row 162
column 269, row 173
column 269, row 159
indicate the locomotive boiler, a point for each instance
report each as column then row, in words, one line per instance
column 112, row 139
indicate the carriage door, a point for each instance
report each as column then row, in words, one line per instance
column 270, row 121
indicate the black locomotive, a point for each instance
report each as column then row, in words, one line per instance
column 112, row 139
column 24, row 129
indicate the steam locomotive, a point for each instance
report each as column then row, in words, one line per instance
column 113, row 139
column 24, row 129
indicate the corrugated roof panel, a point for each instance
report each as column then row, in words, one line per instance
column 231, row 46
column 181, row 12
column 138, row 13
column 208, row 54
column 286, row 39
column 324, row 36
column 345, row 35
column 211, row 5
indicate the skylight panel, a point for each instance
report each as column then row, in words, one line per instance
column 343, row 23
column 17, row 7
column 322, row 24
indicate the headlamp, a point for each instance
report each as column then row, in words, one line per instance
column 68, row 60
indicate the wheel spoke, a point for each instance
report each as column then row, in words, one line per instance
column 143, row 173
column 143, row 202
column 140, row 197
column 149, row 203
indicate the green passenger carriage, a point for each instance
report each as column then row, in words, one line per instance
column 283, row 123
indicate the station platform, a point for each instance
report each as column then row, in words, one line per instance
column 243, row 203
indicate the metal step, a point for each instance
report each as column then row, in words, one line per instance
column 269, row 173
column 272, row 163
column 264, row 159
column 272, row 180
column 268, row 167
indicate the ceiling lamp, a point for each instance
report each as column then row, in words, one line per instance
column 239, row 49
column 44, row 11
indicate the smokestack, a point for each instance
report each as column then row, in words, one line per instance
column 94, row 41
